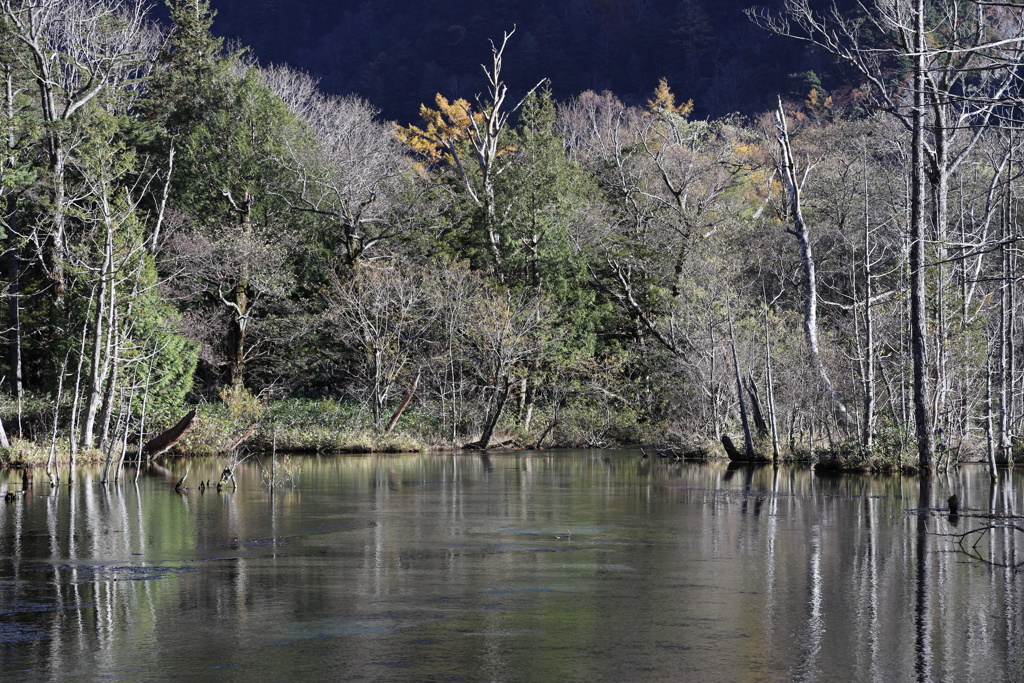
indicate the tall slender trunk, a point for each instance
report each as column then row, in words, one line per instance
column 716, row 416
column 111, row 372
column 802, row 234
column 918, row 311
column 1011, row 323
column 770, row 389
column 101, row 340
column 52, row 466
column 95, row 363
column 13, row 272
column 1004, row 451
column 990, row 450
column 868, row 425
column 939, row 178
column 748, row 440
column 54, row 257
column 75, row 401
column 14, row 315
column 239, row 321
column 239, row 305
column 377, row 396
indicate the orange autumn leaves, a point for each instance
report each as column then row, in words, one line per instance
column 445, row 129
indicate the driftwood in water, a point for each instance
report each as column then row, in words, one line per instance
column 227, row 475
column 507, row 444
column 163, row 442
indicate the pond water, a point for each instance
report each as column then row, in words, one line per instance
column 526, row 566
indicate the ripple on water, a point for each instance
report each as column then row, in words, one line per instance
column 16, row 633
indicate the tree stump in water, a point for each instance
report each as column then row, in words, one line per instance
column 227, row 475
column 180, row 486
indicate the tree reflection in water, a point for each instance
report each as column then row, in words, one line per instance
column 512, row 566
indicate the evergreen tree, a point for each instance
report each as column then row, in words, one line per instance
column 544, row 198
column 190, row 56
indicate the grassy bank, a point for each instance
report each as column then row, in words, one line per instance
column 330, row 426
column 323, row 426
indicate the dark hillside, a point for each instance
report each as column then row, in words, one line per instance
column 398, row 53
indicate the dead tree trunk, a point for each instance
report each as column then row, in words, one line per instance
column 918, row 311
column 164, row 441
column 800, row 230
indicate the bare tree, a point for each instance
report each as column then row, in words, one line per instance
column 794, row 180
column 472, row 143
column 955, row 86
column 382, row 313
column 349, row 166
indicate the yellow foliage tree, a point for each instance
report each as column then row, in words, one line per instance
column 665, row 101
column 445, row 128
column 817, row 105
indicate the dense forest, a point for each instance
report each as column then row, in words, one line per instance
column 835, row 277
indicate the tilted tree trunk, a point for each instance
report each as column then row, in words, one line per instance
column 405, row 404
column 494, row 414
column 748, row 441
column 165, row 440
column 757, row 410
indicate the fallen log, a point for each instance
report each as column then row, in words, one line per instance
column 163, row 442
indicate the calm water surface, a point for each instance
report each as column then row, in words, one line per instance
column 529, row 566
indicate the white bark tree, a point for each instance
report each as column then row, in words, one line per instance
column 957, row 80
column 78, row 51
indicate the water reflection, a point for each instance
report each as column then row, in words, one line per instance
column 521, row 566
